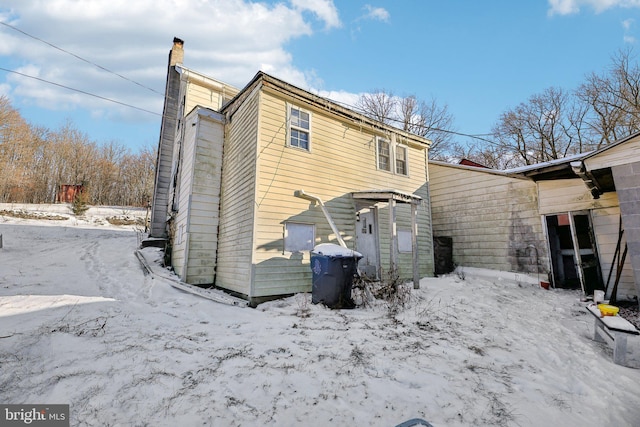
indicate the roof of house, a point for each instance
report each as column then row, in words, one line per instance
column 267, row 81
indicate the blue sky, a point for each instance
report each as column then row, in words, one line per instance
column 479, row 58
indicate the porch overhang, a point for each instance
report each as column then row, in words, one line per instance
column 393, row 197
column 386, row 195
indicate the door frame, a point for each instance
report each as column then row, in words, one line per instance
column 375, row 231
column 577, row 256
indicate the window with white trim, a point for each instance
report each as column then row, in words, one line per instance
column 401, row 160
column 384, row 154
column 298, row 236
column 299, row 128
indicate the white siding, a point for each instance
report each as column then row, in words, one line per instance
column 202, row 230
column 184, row 155
column 491, row 218
column 194, row 229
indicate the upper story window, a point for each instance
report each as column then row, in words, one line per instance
column 392, row 157
column 384, row 154
column 401, row 160
column 299, row 128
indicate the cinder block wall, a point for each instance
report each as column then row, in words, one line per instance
column 627, row 180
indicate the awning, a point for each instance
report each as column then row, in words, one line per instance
column 393, row 197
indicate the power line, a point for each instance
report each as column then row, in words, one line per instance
column 478, row 136
column 81, row 91
column 392, row 119
column 80, row 58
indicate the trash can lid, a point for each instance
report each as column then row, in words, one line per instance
column 331, row 249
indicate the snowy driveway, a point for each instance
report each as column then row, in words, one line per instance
column 81, row 324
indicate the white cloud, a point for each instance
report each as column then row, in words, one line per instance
column 568, row 7
column 229, row 40
column 323, row 9
column 347, row 99
column 627, row 25
column 376, row 13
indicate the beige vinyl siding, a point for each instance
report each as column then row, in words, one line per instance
column 606, row 225
column 341, row 160
column 202, row 91
column 235, row 242
column 568, row 195
column 491, row 218
column 628, row 152
column 202, row 96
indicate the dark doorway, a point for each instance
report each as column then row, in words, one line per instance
column 573, row 268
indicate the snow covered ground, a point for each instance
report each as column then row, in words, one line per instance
column 81, row 324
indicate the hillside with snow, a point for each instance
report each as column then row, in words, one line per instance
column 81, row 324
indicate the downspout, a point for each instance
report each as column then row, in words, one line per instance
column 302, row 195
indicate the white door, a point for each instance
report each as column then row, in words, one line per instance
column 367, row 242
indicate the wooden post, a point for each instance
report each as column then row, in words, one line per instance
column 414, row 245
column 0, row 241
column 393, row 244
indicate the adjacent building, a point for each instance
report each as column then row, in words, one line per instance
column 575, row 220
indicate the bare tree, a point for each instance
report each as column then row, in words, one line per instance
column 379, row 105
column 34, row 161
column 426, row 119
column 486, row 153
column 544, row 128
column 613, row 100
column 18, row 145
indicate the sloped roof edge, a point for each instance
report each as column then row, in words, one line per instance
column 475, row 169
column 549, row 166
column 610, row 146
column 319, row 102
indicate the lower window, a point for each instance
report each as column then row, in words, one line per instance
column 299, row 237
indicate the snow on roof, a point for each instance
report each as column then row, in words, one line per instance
column 543, row 165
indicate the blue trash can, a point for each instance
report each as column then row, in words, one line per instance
column 334, row 268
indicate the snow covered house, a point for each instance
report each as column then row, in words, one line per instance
column 243, row 178
column 571, row 218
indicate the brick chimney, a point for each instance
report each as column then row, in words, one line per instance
column 177, row 52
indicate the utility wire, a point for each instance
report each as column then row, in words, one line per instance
column 81, row 91
column 479, row 136
column 391, row 119
column 80, row 58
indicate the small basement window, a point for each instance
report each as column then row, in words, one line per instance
column 299, row 237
